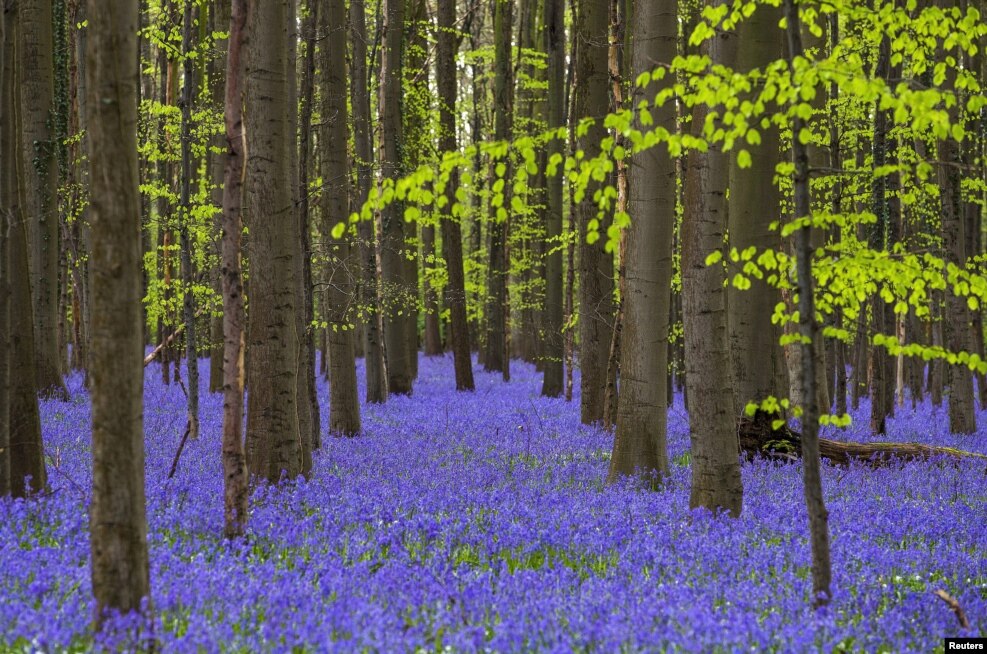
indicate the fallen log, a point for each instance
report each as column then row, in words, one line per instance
column 758, row 438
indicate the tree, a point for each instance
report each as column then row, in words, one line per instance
column 962, row 418
column 26, row 456
column 120, row 571
column 640, row 442
column 452, row 237
column 716, row 482
column 811, row 337
column 363, row 154
column 497, row 355
column 185, row 226
column 344, row 405
column 758, row 369
column 554, row 22
column 596, row 310
column 274, row 442
column 235, row 491
column 36, row 92
column 4, row 277
column 219, row 21
column 400, row 375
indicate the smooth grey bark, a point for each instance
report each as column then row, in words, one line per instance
column 398, row 353
column 364, row 154
column 274, row 442
column 38, row 147
column 758, row 368
column 118, row 525
column 596, row 283
column 811, row 337
column 452, row 236
column 552, row 343
column 716, row 482
column 344, row 404
column 640, row 442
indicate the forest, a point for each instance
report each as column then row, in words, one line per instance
column 493, row 325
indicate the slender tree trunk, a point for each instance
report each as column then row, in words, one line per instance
column 274, row 442
column 364, row 154
column 452, row 237
column 304, row 376
column 307, row 365
column 400, row 370
column 716, row 482
column 120, row 570
column 640, row 443
column 235, row 491
column 811, row 335
column 433, row 331
column 188, row 300
column 596, row 310
column 552, row 348
column 344, row 404
column 219, row 18
column 38, row 149
column 497, row 355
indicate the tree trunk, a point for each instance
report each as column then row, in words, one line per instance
column 956, row 326
column 452, row 236
column 596, row 310
column 38, row 147
column 497, row 355
column 344, row 404
column 758, row 368
column 120, row 571
column 185, row 199
column 716, row 482
column 364, row 154
column 274, row 447
column 552, row 343
column 811, row 335
column 235, row 491
column 220, row 22
column 24, row 423
column 640, row 443
column 307, row 355
column 400, row 374
column 5, row 387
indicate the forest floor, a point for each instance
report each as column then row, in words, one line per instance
column 464, row 522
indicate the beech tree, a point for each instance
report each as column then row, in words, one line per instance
column 452, row 236
column 596, row 272
column 24, row 448
column 716, row 482
column 40, row 179
column 273, row 441
column 344, row 405
column 120, row 571
column 640, row 441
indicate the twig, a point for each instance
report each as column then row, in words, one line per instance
column 954, row 607
column 181, row 446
